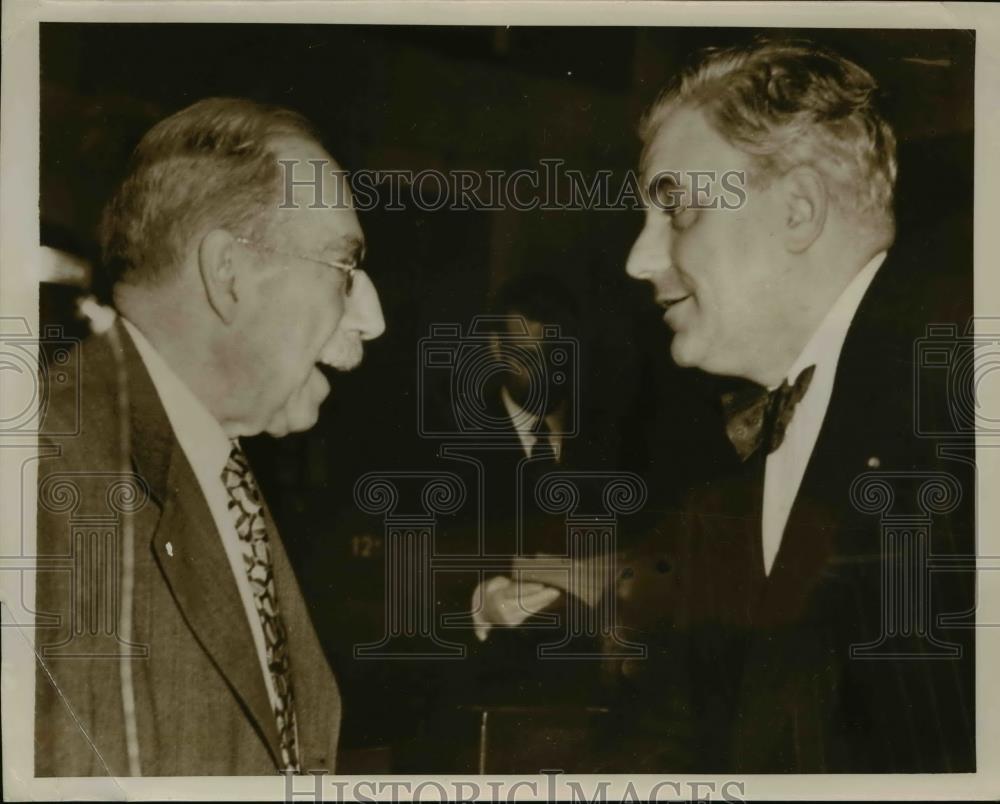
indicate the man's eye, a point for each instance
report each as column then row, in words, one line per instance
column 682, row 218
column 667, row 195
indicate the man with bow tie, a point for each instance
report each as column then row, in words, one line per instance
column 755, row 597
column 231, row 293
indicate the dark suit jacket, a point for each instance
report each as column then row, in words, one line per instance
column 535, row 706
column 755, row 674
column 200, row 700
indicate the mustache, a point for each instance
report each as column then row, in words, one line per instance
column 344, row 352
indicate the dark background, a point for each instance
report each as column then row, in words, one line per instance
column 477, row 98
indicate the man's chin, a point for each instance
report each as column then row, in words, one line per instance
column 287, row 421
column 684, row 352
column 301, row 411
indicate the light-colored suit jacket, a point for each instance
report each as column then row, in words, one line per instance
column 199, row 700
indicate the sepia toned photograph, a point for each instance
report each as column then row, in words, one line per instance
column 472, row 400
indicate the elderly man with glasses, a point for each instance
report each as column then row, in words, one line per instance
column 229, row 300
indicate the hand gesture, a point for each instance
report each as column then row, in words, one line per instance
column 502, row 601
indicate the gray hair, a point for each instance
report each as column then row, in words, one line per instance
column 790, row 103
column 208, row 165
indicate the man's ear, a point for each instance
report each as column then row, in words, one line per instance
column 218, row 273
column 806, row 207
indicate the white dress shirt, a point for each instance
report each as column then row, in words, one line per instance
column 525, row 424
column 207, row 447
column 787, row 464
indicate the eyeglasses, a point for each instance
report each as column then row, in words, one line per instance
column 348, row 269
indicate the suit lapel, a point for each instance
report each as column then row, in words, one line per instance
column 783, row 684
column 726, row 548
column 864, row 386
column 783, row 687
column 189, row 551
column 193, row 562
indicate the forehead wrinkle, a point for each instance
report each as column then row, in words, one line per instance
column 646, row 171
column 656, row 156
column 665, row 172
column 686, row 127
column 688, row 141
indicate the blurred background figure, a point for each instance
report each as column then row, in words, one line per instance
column 528, row 418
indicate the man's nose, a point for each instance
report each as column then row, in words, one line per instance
column 363, row 311
column 649, row 256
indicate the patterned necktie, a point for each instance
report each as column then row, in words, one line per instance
column 755, row 415
column 247, row 510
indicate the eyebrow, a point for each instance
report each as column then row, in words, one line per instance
column 667, row 182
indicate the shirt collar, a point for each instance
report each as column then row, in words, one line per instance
column 828, row 339
column 199, row 433
column 525, row 423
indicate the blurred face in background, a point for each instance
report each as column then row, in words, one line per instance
column 533, row 372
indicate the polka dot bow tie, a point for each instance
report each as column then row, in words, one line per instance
column 756, row 416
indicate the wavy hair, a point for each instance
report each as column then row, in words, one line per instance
column 790, row 103
column 208, row 165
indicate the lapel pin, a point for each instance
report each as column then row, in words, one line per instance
column 874, row 462
column 170, row 549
